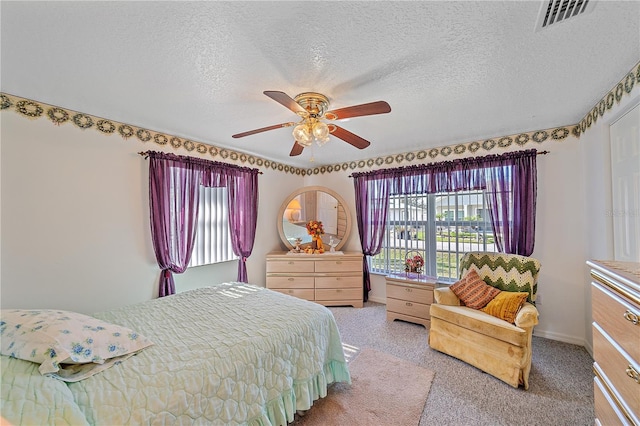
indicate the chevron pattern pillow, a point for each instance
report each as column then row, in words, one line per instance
column 507, row 272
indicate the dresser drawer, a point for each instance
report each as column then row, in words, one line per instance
column 289, row 266
column 607, row 413
column 339, row 282
column 338, row 265
column 412, row 294
column 301, row 293
column 614, row 365
column 413, row 309
column 611, row 313
column 338, row 293
column 289, row 282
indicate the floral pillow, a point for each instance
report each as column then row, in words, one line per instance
column 54, row 339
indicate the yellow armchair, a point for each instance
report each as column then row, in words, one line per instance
column 491, row 344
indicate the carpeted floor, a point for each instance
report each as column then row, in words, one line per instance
column 384, row 390
column 560, row 385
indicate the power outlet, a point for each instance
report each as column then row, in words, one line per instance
column 538, row 300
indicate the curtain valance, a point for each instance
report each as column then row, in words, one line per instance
column 463, row 174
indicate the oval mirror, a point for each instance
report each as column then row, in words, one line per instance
column 314, row 203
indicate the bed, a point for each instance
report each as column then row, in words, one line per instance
column 232, row 353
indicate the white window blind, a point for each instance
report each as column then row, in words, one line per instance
column 213, row 239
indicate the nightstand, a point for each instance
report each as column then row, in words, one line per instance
column 409, row 297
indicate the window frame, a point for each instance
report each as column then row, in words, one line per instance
column 403, row 221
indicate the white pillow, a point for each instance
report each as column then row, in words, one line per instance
column 53, row 337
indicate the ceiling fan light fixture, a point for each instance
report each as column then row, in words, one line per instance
column 302, row 135
column 320, row 131
column 313, row 107
column 321, row 142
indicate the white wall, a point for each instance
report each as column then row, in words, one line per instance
column 560, row 242
column 75, row 227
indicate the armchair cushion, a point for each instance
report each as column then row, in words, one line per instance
column 444, row 296
column 506, row 305
column 474, row 292
column 480, row 323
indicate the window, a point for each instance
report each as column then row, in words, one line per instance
column 213, row 238
column 440, row 227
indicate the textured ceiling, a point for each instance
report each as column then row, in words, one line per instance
column 452, row 71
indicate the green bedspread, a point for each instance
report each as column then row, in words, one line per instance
column 227, row 354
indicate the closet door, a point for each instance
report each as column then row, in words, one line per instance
column 625, row 180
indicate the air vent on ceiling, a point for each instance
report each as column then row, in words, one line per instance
column 557, row 11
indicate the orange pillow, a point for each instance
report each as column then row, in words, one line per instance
column 506, row 305
column 473, row 292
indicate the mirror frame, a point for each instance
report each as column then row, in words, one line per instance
column 302, row 190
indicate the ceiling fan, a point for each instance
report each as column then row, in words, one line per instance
column 312, row 108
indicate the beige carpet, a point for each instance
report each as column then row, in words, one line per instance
column 385, row 390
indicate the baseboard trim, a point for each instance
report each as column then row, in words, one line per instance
column 382, row 300
column 559, row 337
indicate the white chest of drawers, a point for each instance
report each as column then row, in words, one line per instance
column 615, row 293
column 331, row 280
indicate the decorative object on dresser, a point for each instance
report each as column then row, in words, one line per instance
column 409, row 297
column 413, row 262
column 316, row 230
column 615, row 297
column 330, row 279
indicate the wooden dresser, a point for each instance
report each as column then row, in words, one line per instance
column 328, row 279
column 615, row 292
column 409, row 297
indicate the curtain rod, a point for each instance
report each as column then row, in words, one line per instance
column 537, row 153
column 145, row 154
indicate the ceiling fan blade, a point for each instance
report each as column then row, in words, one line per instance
column 372, row 108
column 296, row 150
column 286, row 100
column 263, row 129
column 349, row 137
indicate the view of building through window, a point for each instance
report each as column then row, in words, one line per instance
column 439, row 227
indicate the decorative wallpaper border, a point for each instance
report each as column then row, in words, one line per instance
column 34, row 110
column 624, row 87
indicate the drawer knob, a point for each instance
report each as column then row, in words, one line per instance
column 631, row 317
column 338, row 291
column 290, row 279
column 409, row 304
column 408, row 289
column 291, row 263
column 633, row 373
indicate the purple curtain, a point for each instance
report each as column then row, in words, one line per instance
column 511, row 189
column 243, row 215
column 173, row 203
column 174, row 183
column 372, row 206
